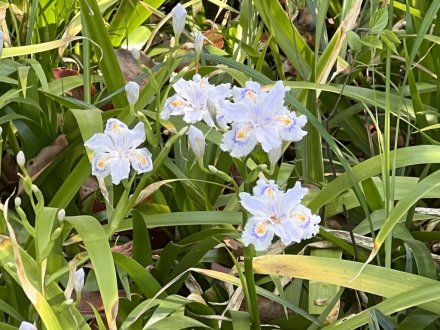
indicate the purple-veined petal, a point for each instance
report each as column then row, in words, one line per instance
column 273, row 101
column 207, row 118
column 256, row 206
column 235, row 112
column 288, row 232
column 250, row 92
column 269, row 137
column 306, row 221
column 266, row 188
column 135, row 137
column 101, row 163
column 293, row 196
column 258, row 232
column 141, row 160
column 174, row 106
column 192, row 116
column 290, row 126
column 239, row 141
column 100, row 142
column 119, row 169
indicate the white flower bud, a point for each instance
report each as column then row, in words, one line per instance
column 17, row 201
column 198, row 42
column 35, row 188
column 27, row 326
column 196, row 141
column 78, row 281
column 132, row 89
column 212, row 169
column 21, row 160
column 61, row 214
column 1, row 129
column 2, row 38
column 179, row 17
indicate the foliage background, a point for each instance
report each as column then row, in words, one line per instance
column 363, row 72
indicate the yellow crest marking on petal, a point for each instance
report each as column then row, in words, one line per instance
column 242, row 134
column 301, row 217
column 101, row 163
column 250, row 94
column 285, row 120
column 143, row 160
column 260, row 229
column 116, row 128
column 176, row 104
column 270, row 192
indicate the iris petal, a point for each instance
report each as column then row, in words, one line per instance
column 288, row 232
column 258, row 232
column 119, row 169
column 101, row 163
column 141, row 161
column 268, row 137
column 100, row 142
column 135, row 136
column 239, row 141
column 255, row 205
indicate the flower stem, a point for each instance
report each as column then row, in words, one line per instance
column 249, row 253
column 249, row 273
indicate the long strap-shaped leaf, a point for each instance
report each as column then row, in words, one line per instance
column 426, row 154
column 98, row 248
column 37, row 299
column 377, row 280
column 108, row 63
column 420, row 190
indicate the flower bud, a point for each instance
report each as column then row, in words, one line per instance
column 132, row 89
column 2, row 38
column 21, row 160
column 198, row 42
column 78, row 281
column 196, row 141
column 17, row 201
column 61, row 215
column 27, row 326
column 179, row 17
column 35, row 189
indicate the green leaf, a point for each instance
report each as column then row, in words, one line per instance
column 109, row 65
column 97, row 245
column 379, row 20
column 354, row 41
column 372, row 41
column 377, row 280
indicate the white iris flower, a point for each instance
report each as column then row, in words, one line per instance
column 191, row 100
column 115, row 149
column 275, row 212
column 259, row 117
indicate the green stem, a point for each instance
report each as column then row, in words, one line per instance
column 249, row 254
column 125, row 205
column 252, row 291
